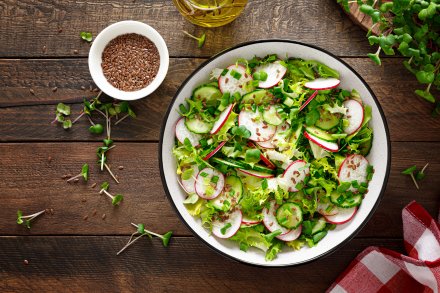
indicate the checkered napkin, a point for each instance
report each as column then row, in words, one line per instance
column 382, row 270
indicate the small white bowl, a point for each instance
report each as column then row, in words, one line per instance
column 111, row 32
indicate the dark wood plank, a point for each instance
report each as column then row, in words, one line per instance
column 31, row 183
column 392, row 84
column 90, row 264
column 30, row 28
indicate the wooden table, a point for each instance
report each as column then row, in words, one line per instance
column 75, row 249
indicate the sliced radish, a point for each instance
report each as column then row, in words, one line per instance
column 229, row 84
column 322, row 83
column 253, row 121
column 182, row 132
column 220, row 145
column 275, row 72
column 292, row 235
column 354, row 115
column 294, row 174
column 248, row 221
column 315, row 93
column 342, row 217
column 354, row 167
column 222, row 118
column 189, row 184
column 322, row 209
column 270, row 220
column 226, row 228
column 256, row 173
column 266, row 144
column 203, row 182
column 263, row 157
column 327, row 145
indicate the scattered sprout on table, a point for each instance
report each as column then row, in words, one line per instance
column 200, row 40
column 26, row 220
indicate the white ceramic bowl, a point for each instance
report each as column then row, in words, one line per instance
column 379, row 156
column 111, row 32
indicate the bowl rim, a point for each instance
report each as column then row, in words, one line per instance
column 148, row 31
column 346, row 240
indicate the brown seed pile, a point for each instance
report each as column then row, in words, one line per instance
column 130, row 62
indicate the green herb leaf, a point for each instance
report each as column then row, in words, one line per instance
column 241, row 131
column 85, row 171
column 67, row 124
column 225, row 228
column 96, row 129
column 252, row 156
column 117, row 199
column 19, row 219
column 166, row 238
column 311, row 117
column 86, row 36
column 410, row 170
column 105, row 185
column 141, row 228
column 260, row 75
column 63, row 109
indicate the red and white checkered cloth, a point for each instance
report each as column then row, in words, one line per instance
column 382, row 270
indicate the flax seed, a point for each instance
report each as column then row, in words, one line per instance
column 130, row 62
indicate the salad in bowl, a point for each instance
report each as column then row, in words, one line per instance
column 274, row 153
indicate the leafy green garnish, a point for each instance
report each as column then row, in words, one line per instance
column 84, row 173
column 141, row 232
column 200, row 40
column 86, row 36
column 419, row 175
column 26, row 220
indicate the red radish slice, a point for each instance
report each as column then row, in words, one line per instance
column 256, row 173
column 270, row 220
column 220, row 145
column 189, row 184
column 266, row 144
column 322, row 209
column 268, row 163
column 294, row 174
column 292, row 235
column 327, row 145
column 315, row 93
column 229, row 226
column 354, row 167
column 322, row 83
column 260, row 130
column 262, row 157
column 203, row 182
column 182, row 132
column 275, row 72
column 222, row 118
column 342, row 217
column 229, row 84
column 248, row 221
column 354, row 115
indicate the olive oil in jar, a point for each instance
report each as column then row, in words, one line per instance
column 210, row 13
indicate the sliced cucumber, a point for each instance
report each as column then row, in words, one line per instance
column 319, row 133
column 196, row 125
column 345, row 202
column 257, row 97
column 327, row 120
column 289, row 215
column 208, row 94
column 271, row 116
column 260, row 168
column 319, row 226
column 230, row 162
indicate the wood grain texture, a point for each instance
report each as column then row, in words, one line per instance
column 25, row 116
column 31, row 183
column 89, row 264
column 31, row 27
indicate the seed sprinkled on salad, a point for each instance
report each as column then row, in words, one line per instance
column 272, row 153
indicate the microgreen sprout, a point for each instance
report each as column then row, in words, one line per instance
column 84, row 173
column 96, row 129
column 200, row 40
column 141, row 231
column 61, row 113
column 419, row 175
column 116, row 199
column 26, row 220
column 86, row 36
